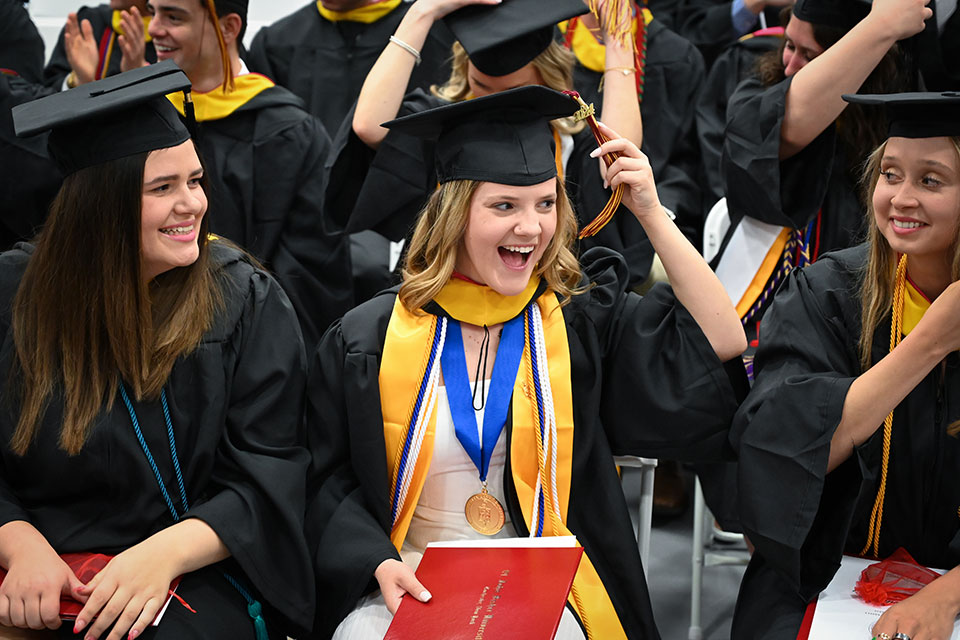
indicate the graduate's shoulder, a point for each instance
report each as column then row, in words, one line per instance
column 242, row 282
column 666, row 47
column 276, row 110
column 364, row 327
column 837, row 268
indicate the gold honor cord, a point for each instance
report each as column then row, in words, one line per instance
column 896, row 332
column 587, row 112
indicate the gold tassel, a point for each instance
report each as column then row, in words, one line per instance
column 619, row 19
column 586, row 112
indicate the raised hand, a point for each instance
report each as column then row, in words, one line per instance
column 81, row 49
column 397, row 579
column 632, row 169
column 439, row 8
column 900, row 19
column 131, row 43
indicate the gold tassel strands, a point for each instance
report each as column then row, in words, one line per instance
column 586, row 112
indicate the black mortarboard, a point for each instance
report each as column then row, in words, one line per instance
column 843, row 14
column 502, row 38
column 917, row 115
column 108, row 119
column 504, row 137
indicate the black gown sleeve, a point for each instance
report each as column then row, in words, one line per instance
column 758, row 184
column 255, row 496
column 311, row 257
column 664, row 391
column 346, row 539
column 797, row 515
column 383, row 190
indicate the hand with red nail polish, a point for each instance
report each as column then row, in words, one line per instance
column 36, row 578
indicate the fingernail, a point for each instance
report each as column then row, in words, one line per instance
column 595, row 153
column 78, row 626
column 605, row 184
column 133, row 634
column 90, row 637
column 425, row 596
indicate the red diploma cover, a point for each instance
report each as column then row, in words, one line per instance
column 494, row 592
column 85, row 566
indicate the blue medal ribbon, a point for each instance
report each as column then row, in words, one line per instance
column 454, row 366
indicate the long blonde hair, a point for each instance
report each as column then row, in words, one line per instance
column 554, row 64
column 877, row 278
column 438, row 236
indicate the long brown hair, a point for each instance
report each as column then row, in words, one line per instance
column 876, row 287
column 555, row 66
column 83, row 319
column 439, row 233
column 860, row 130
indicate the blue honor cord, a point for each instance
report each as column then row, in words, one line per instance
column 459, row 396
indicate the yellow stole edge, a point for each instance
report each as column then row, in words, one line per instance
column 407, row 341
column 770, row 262
column 216, row 105
column 367, row 14
column 117, row 25
column 915, row 304
column 588, row 50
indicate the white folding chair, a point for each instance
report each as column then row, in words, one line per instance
column 714, row 228
column 645, row 516
column 705, row 554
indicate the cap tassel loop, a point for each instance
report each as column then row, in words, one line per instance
column 586, row 112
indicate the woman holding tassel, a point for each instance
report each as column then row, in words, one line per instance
column 531, row 371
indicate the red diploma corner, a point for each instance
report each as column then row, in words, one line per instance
column 501, row 589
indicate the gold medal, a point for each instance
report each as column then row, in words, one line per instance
column 484, row 513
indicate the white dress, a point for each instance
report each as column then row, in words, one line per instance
column 451, row 479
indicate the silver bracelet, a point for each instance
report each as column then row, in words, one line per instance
column 403, row 45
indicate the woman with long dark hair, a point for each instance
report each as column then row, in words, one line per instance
column 151, row 384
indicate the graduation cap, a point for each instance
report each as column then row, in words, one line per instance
column 502, row 38
column 843, row 14
column 118, row 116
column 918, row 114
column 504, row 137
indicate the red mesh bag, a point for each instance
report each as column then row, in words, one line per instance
column 892, row 580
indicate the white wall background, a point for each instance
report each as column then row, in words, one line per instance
column 50, row 15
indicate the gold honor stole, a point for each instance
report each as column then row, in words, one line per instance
column 216, row 105
column 590, row 52
column 366, row 14
column 408, row 344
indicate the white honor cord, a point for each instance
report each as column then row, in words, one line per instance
column 420, row 428
column 550, row 423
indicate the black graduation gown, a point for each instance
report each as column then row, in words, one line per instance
column 265, row 166
column 801, row 519
column 28, row 178
column 325, row 63
column 645, row 382
column 235, row 405
column 788, row 193
column 708, row 25
column 938, row 53
column 733, row 66
column 673, row 77
column 21, row 47
column 385, row 190
column 100, row 17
